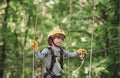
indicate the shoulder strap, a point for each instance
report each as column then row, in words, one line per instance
column 52, row 61
column 61, row 58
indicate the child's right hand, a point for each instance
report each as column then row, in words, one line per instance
column 35, row 45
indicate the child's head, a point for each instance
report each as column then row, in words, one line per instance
column 55, row 34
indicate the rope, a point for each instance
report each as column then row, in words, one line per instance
column 24, row 22
column 36, row 20
column 76, row 72
column 92, row 39
column 70, row 10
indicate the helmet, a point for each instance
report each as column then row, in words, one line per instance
column 56, row 31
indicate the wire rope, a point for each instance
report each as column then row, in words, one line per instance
column 90, row 70
column 70, row 11
column 35, row 28
column 24, row 24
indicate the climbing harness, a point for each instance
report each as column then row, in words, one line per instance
column 53, row 60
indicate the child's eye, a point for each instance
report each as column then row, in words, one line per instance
column 58, row 37
column 62, row 39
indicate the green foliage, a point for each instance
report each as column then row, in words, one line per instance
column 21, row 21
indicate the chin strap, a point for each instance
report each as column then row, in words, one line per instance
column 54, row 43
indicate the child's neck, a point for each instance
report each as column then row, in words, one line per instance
column 56, row 48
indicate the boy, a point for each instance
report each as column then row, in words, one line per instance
column 54, row 54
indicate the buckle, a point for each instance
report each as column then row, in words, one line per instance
column 51, row 74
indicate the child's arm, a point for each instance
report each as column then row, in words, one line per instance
column 74, row 54
column 42, row 54
column 39, row 54
column 70, row 54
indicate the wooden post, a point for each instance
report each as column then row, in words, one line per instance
column 39, row 69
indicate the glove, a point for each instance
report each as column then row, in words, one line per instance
column 35, row 45
column 81, row 51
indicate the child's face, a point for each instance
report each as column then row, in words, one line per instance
column 58, row 39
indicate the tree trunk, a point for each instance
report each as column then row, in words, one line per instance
column 3, row 57
column 3, row 47
column 106, row 43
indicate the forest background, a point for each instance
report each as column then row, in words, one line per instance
column 89, row 24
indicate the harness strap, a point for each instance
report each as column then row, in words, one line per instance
column 52, row 61
column 61, row 58
column 49, row 70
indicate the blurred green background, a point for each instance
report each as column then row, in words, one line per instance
column 89, row 24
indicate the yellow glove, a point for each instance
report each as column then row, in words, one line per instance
column 35, row 45
column 81, row 51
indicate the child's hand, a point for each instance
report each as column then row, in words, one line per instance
column 82, row 53
column 35, row 45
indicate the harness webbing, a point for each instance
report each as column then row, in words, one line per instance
column 61, row 58
column 53, row 60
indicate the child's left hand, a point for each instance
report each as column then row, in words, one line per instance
column 81, row 53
